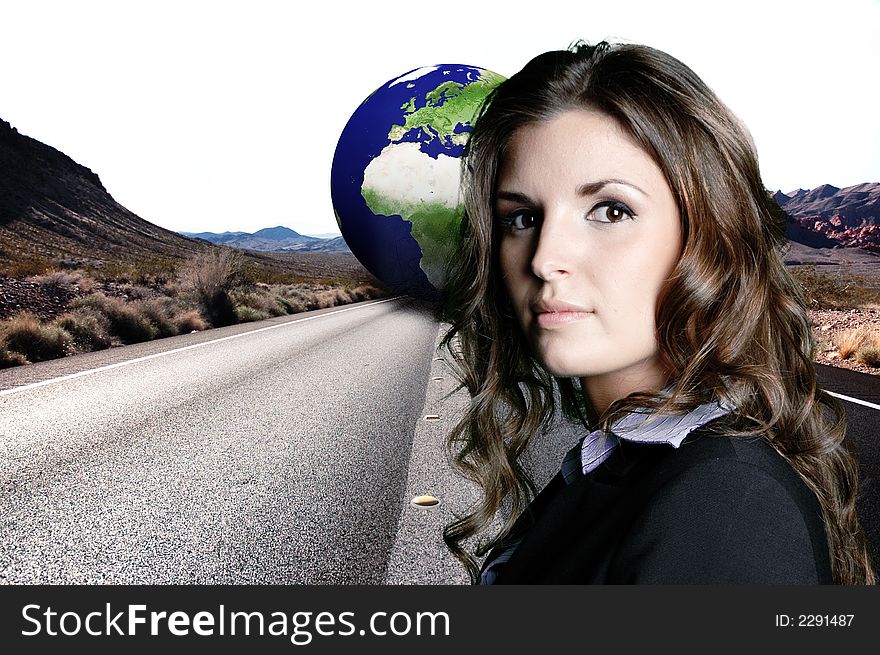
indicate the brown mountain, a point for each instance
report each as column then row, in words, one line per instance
column 56, row 212
column 52, row 207
column 848, row 216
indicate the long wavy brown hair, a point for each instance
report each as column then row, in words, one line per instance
column 731, row 324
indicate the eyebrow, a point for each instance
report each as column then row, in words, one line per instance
column 585, row 189
column 592, row 188
column 512, row 196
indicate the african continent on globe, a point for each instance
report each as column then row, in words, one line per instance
column 395, row 175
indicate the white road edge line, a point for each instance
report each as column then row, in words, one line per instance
column 79, row 374
column 857, row 401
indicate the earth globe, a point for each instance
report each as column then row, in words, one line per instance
column 395, row 174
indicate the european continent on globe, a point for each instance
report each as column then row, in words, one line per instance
column 395, row 175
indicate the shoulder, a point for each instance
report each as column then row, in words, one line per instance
column 726, row 510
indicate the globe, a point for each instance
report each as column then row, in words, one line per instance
column 395, row 174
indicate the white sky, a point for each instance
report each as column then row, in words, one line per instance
column 213, row 116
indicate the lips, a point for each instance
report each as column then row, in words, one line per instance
column 552, row 312
column 554, row 306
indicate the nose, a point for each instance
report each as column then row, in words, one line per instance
column 554, row 254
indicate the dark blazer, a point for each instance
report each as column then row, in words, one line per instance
column 716, row 510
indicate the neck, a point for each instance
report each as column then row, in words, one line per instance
column 602, row 390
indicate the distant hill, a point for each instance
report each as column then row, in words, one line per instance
column 326, row 235
column 273, row 239
column 827, row 216
column 336, row 244
column 212, row 236
column 54, row 208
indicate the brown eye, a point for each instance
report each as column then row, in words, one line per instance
column 519, row 220
column 614, row 213
column 610, row 212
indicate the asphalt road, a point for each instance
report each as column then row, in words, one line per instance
column 275, row 455
column 860, row 395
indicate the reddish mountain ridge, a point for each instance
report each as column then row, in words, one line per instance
column 52, row 207
column 848, row 216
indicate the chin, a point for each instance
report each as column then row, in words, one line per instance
column 568, row 360
column 562, row 367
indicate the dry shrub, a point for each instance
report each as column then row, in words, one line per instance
column 88, row 332
column 138, row 292
column 129, row 323
column 295, row 294
column 273, row 305
column 365, row 292
column 247, row 314
column 219, row 309
column 211, row 275
column 161, row 313
column 10, row 358
column 321, row 300
column 124, row 320
column 292, row 306
column 290, row 298
column 96, row 302
column 279, row 299
column 849, row 342
column 81, row 307
column 173, row 288
column 58, row 279
column 25, row 334
column 86, row 283
column 869, row 353
column 212, row 270
column 293, row 298
column 869, row 356
column 262, row 300
column 189, row 320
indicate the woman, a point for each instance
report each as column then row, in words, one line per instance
column 620, row 254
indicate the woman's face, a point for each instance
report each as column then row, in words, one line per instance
column 590, row 232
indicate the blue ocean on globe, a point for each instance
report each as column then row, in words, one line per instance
column 395, row 174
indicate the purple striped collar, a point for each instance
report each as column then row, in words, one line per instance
column 642, row 426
